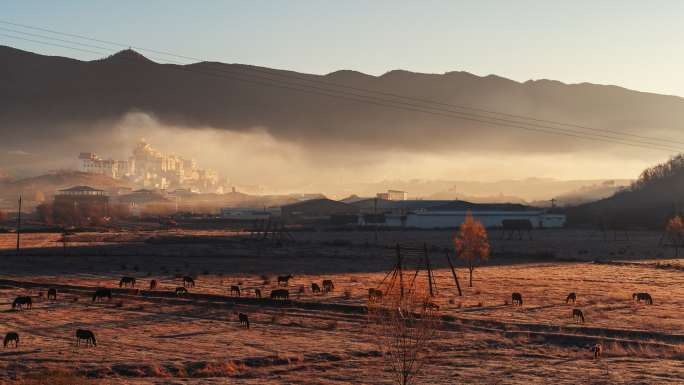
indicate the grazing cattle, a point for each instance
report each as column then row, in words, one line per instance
column 597, row 349
column 315, row 288
column 235, row 289
column 52, row 294
column 127, row 281
column 87, row 335
column 643, row 297
column 153, row 284
column 102, row 294
column 19, row 302
column 180, row 290
column 374, row 295
column 284, row 279
column 577, row 315
column 571, row 297
column 257, row 293
column 328, row 286
column 516, row 299
column 280, row 294
column 9, row 338
column 244, row 321
column 188, row 281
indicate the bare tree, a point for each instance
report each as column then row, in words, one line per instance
column 405, row 326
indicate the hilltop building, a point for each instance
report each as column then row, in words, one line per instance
column 393, row 195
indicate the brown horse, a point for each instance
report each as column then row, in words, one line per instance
column 244, row 321
column 571, row 297
column 101, row 294
column 9, row 338
column 280, row 294
column 328, row 286
column 643, row 297
column 284, row 279
column 127, row 281
column 578, row 315
column 21, row 301
column 87, row 335
column 153, row 284
column 188, row 281
column 315, row 288
column 516, row 299
column 52, row 294
column 374, row 295
column 598, row 350
column 235, row 289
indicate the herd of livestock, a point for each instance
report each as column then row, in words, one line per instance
column 88, row 337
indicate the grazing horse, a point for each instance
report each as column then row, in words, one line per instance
column 257, row 293
column 315, row 288
column 127, row 281
column 284, row 279
column 20, row 301
column 328, row 286
column 374, row 294
column 52, row 293
column 9, row 338
column 101, row 294
column 153, row 284
column 180, row 290
column 597, row 349
column 516, row 299
column 244, row 321
column 571, row 297
column 87, row 335
column 235, row 289
column 578, row 315
column 188, row 281
column 643, row 297
column 280, row 294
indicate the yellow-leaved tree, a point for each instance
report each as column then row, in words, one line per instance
column 471, row 243
column 675, row 231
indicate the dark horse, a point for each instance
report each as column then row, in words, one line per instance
column 280, row 294
column 516, row 299
column 87, row 335
column 102, row 294
column 188, row 281
column 235, row 289
column 571, row 297
column 578, row 315
column 374, row 294
column 643, row 297
column 597, row 349
column 153, row 284
column 9, row 338
column 52, row 294
column 180, row 290
column 20, row 301
column 127, row 281
column 328, row 286
column 244, row 321
column 315, row 288
column 284, row 279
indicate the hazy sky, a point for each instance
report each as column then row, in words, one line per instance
column 629, row 43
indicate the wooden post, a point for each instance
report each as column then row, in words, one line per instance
column 19, row 225
column 399, row 271
column 453, row 272
column 429, row 269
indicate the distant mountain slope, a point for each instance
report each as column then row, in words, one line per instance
column 657, row 195
column 52, row 99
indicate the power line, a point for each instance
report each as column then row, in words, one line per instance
column 328, row 83
column 392, row 103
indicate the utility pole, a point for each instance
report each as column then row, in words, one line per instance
column 19, row 225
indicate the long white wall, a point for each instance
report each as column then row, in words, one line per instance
column 452, row 219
